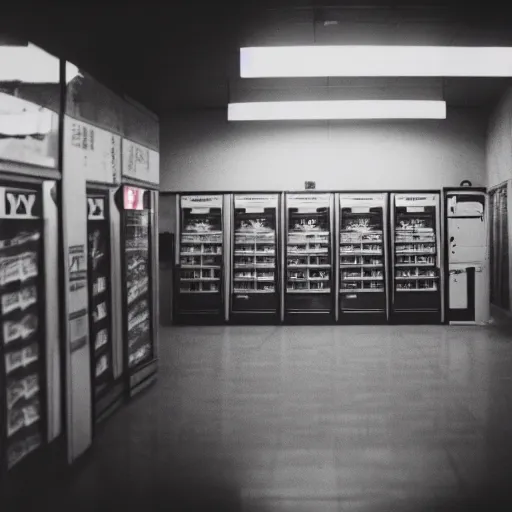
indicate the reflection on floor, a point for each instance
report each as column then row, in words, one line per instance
column 312, row 419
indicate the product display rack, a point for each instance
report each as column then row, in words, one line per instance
column 200, row 260
column 416, row 261
column 99, row 281
column 22, row 347
column 362, row 259
column 138, row 296
column 255, row 273
column 309, row 283
column 201, row 255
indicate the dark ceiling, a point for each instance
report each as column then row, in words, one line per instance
column 175, row 55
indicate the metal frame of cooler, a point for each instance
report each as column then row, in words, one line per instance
column 258, row 315
column 197, row 308
column 142, row 375
column 366, row 312
column 297, row 308
column 53, row 364
column 427, row 314
column 113, row 396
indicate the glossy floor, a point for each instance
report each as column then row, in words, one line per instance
column 313, row 419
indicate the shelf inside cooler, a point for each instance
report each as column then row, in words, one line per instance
column 413, row 253
column 198, row 267
column 196, row 279
column 416, row 290
column 308, row 265
column 355, row 242
column 199, row 291
column 360, row 253
column 254, row 266
column 200, row 254
column 362, row 290
column 360, row 265
column 253, row 291
column 200, row 233
column 415, row 264
column 362, row 278
column 306, row 290
column 254, row 253
column 422, row 278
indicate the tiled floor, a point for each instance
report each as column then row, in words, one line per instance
column 313, row 419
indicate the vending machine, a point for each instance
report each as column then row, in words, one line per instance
column 255, row 290
column 309, row 296
column 104, row 314
column 363, row 287
column 30, row 410
column 416, row 259
column 140, row 256
column 200, row 260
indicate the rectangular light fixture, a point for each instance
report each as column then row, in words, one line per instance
column 375, row 61
column 318, row 110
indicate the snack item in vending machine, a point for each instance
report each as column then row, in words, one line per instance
column 15, row 391
column 31, row 385
column 13, row 361
column 101, row 366
column 10, row 269
column 12, row 331
column 101, row 339
column 10, row 302
column 28, row 326
column 15, row 453
column 15, row 421
column 21, row 239
column 99, row 286
column 100, row 312
column 28, row 265
column 30, row 354
column 31, row 413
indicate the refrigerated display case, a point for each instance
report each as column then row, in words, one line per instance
column 309, row 279
column 138, row 279
column 416, row 265
column 255, row 276
column 100, row 301
column 200, row 267
column 23, row 376
column 362, row 259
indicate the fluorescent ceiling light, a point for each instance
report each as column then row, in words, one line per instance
column 377, row 109
column 375, row 61
column 28, row 64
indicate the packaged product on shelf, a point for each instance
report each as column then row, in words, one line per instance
column 101, row 339
column 101, row 366
column 99, row 286
column 20, row 239
column 31, row 385
column 10, row 269
column 10, row 302
column 13, row 360
column 15, row 420
column 15, row 391
column 30, row 354
column 28, row 265
column 100, row 312
column 31, row 413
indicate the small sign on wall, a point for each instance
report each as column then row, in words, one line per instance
column 310, row 185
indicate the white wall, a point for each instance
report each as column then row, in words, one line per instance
column 201, row 151
column 499, row 142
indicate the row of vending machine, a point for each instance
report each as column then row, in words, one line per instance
column 310, row 258
column 119, row 228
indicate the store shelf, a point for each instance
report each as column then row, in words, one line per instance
column 198, row 267
column 199, row 291
column 359, row 265
column 254, row 291
column 362, row 290
column 422, row 278
column 324, row 290
column 416, row 290
column 362, row 278
column 199, row 279
column 309, row 265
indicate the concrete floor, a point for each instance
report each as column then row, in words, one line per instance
column 311, row 419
